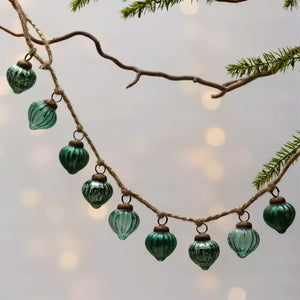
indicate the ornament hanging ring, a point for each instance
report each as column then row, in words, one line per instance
column 97, row 169
column 76, row 138
column 203, row 231
column 122, row 198
column 52, row 97
column 247, row 218
column 162, row 223
column 28, row 57
column 277, row 190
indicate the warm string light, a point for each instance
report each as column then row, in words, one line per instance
column 97, row 191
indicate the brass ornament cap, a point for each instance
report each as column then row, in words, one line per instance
column 125, row 206
column 76, row 144
column 277, row 200
column 202, row 237
column 51, row 103
column 24, row 64
column 244, row 225
column 99, row 177
column 161, row 228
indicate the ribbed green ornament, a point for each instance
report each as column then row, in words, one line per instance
column 42, row 115
column 279, row 214
column 161, row 243
column 97, row 191
column 243, row 239
column 20, row 76
column 204, row 251
column 124, row 221
column 74, row 157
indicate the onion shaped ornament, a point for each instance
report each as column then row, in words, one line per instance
column 243, row 239
column 279, row 214
column 161, row 242
column 74, row 157
column 204, row 252
column 42, row 115
column 124, row 221
column 21, row 77
column 97, row 191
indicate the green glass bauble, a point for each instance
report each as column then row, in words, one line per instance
column 204, row 251
column 243, row 239
column 279, row 214
column 124, row 221
column 20, row 76
column 74, row 157
column 97, row 191
column 161, row 243
column 42, row 115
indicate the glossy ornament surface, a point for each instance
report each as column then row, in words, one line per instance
column 279, row 214
column 42, row 115
column 161, row 243
column 243, row 239
column 204, row 251
column 124, row 221
column 97, row 191
column 20, row 76
column 74, row 157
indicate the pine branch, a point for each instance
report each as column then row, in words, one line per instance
column 78, row 4
column 274, row 166
column 277, row 61
column 290, row 4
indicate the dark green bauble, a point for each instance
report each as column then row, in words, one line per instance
column 204, row 251
column 42, row 115
column 97, row 191
column 74, row 157
column 243, row 239
column 279, row 214
column 20, row 76
column 124, row 221
column 161, row 243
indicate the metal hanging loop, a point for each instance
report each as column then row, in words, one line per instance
column 122, row 198
column 159, row 221
column 98, row 170
column 76, row 138
column 28, row 56
column 203, row 231
column 277, row 190
column 247, row 216
column 58, row 100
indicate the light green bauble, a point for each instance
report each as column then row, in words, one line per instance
column 42, row 115
column 204, row 251
column 97, row 191
column 124, row 221
column 243, row 239
column 20, row 76
column 161, row 243
column 74, row 157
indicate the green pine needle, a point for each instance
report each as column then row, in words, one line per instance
column 290, row 4
column 78, row 4
column 276, row 61
column 275, row 165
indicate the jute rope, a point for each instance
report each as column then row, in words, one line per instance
column 100, row 162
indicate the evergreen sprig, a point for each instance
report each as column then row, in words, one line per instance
column 275, row 165
column 290, row 4
column 276, row 61
column 78, row 4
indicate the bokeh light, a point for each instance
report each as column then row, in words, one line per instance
column 215, row 136
column 29, row 197
column 214, row 171
column 68, row 261
column 98, row 214
column 189, row 8
column 210, row 103
column 197, row 157
column 41, row 156
column 208, row 283
column 236, row 293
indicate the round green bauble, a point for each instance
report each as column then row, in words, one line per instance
column 20, row 76
column 97, row 191
column 74, row 157
column 42, row 115
column 243, row 239
column 204, row 251
column 279, row 214
column 161, row 243
column 124, row 221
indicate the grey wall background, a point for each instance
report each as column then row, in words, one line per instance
column 154, row 135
